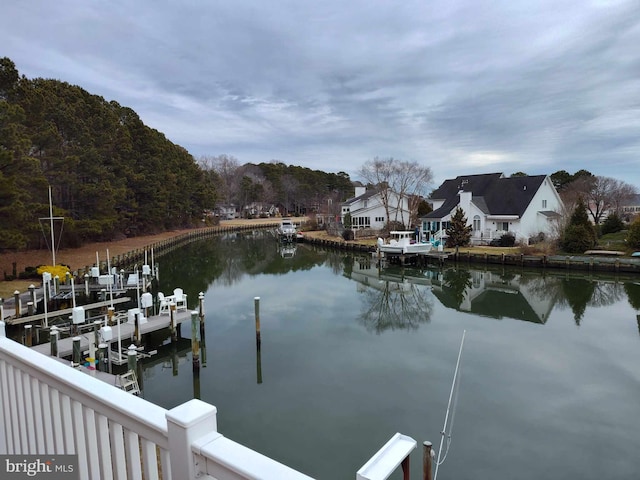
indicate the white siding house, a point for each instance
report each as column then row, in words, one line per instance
column 494, row 205
column 367, row 209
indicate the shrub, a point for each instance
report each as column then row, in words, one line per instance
column 612, row 224
column 577, row 239
column 348, row 234
column 633, row 237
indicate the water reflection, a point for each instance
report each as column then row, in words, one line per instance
column 351, row 354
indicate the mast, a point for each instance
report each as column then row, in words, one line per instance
column 53, row 245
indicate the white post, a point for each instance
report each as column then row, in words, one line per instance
column 187, row 423
column 3, row 333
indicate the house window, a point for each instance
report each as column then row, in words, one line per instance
column 504, row 226
column 544, row 204
column 476, row 223
column 379, row 219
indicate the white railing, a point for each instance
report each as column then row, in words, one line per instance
column 49, row 408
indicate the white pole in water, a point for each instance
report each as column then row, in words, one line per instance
column 53, row 237
column 446, row 417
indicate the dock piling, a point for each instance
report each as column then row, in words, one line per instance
column 256, row 303
column 17, row 303
column 427, row 459
column 53, row 336
column 195, row 340
column 77, row 353
column 28, row 335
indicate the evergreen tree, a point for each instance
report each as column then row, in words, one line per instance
column 579, row 235
column 459, row 232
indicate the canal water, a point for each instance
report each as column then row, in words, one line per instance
column 549, row 383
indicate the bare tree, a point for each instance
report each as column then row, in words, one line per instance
column 602, row 195
column 398, row 177
column 226, row 166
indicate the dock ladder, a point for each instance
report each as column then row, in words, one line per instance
column 128, row 382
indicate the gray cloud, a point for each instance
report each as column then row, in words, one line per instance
column 464, row 87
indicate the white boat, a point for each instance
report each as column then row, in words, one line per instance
column 403, row 242
column 287, row 230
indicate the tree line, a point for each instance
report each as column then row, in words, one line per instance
column 112, row 176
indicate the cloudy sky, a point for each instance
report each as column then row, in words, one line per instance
column 461, row 86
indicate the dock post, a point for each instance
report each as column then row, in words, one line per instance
column 203, row 347
column 53, row 339
column 132, row 359
column 1, row 309
column 136, row 329
column 172, row 322
column 28, row 335
column 427, row 459
column 111, row 311
column 32, row 293
column 195, row 340
column 56, row 284
column 77, row 354
column 86, row 285
column 16, row 302
column 256, row 303
column 96, row 332
column 102, row 357
column 30, row 308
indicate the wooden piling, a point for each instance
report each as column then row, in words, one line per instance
column 203, row 347
column 53, row 339
column 172, row 322
column 28, row 335
column 16, row 302
column 256, row 303
column 195, row 340
column 136, row 329
column 132, row 359
column 427, row 459
column 102, row 357
column 32, row 293
column 77, row 353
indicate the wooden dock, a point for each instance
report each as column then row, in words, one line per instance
column 126, row 332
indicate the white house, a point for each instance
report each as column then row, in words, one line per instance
column 367, row 209
column 494, row 205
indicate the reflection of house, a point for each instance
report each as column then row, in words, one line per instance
column 492, row 295
column 367, row 209
column 494, row 205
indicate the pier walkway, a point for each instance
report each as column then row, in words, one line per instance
column 125, row 331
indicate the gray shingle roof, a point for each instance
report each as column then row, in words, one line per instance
column 492, row 193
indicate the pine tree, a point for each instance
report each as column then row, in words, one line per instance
column 579, row 235
column 459, row 232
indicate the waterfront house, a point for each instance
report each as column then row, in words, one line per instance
column 631, row 208
column 367, row 208
column 525, row 206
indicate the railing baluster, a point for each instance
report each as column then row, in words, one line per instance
column 118, row 456
column 67, row 424
column 132, row 447
column 47, row 420
column 37, row 413
column 6, row 443
column 23, row 444
column 91, row 443
column 80, row 439
column 56, row 417
column 104, row 447
column 149, row 460
column 29, row 411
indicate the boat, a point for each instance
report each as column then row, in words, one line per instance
column 287, row 230
column 403, row 242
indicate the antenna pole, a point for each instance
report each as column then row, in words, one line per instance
column 446, row 417
column 53, row 245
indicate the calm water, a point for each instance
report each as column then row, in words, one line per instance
column 549, row 384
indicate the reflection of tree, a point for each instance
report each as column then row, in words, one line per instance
column 633, row 294
column 457, row 280
column 577, row 294
column 395, row 305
